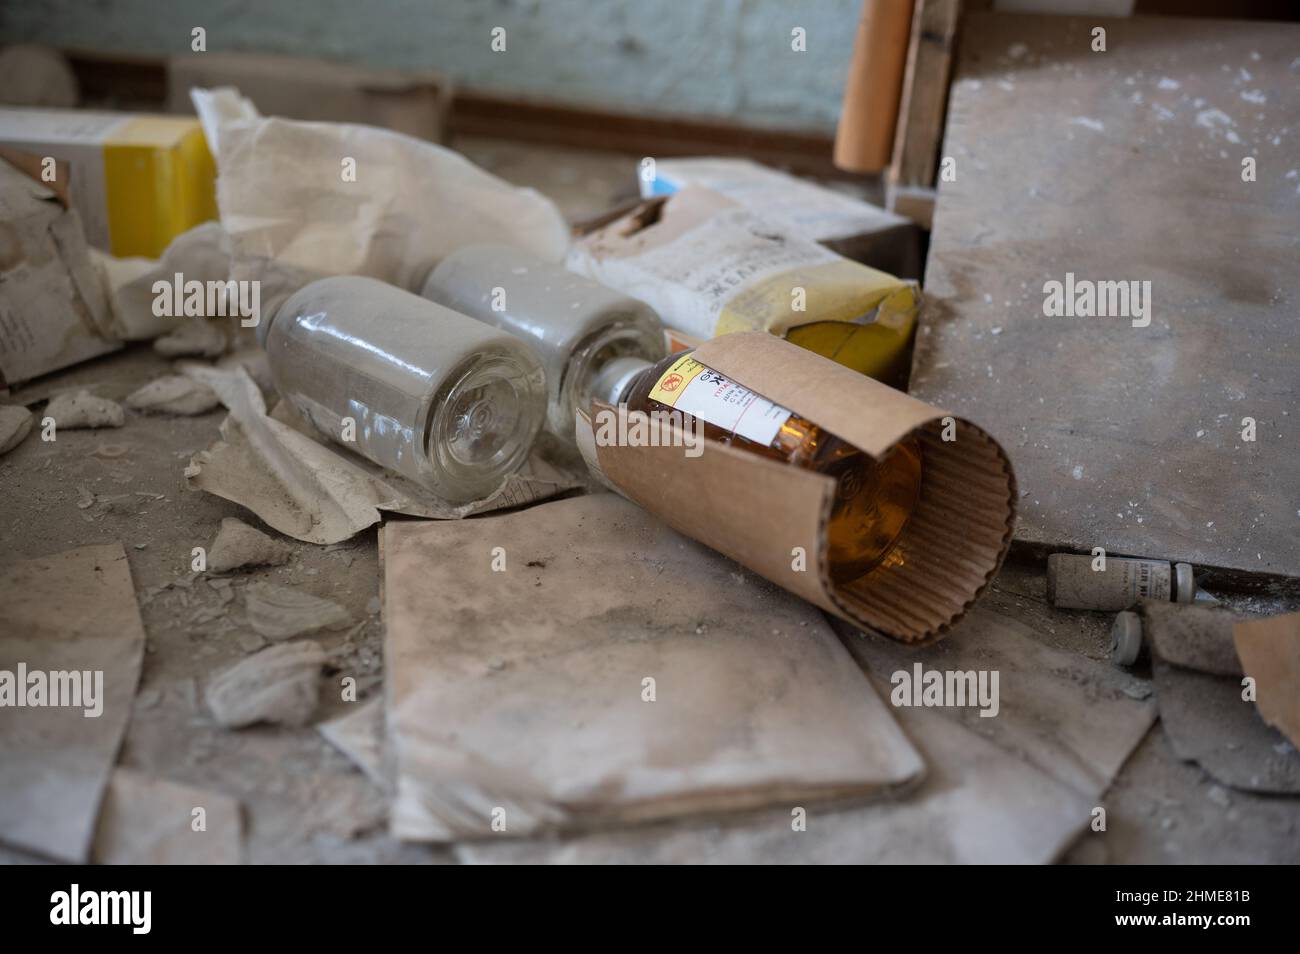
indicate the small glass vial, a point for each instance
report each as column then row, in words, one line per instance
column 431, row 394
column 1077, row 581
column 575, row 325
column 873, row 502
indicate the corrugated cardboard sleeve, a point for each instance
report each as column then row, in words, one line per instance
column 756, row 511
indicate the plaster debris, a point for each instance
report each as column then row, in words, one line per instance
column 239, row 545
column 278, row 684
column 15, row 423
column 279, row 613
column 196, row 337
column 1212, row 118
column 174, row 394
column 84, row 410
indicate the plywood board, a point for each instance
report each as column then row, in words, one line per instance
column 1126, row 165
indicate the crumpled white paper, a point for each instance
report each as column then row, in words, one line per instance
column 303, row 200
column 273, row 465
column 200, row 254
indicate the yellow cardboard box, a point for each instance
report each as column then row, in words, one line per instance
column 137, row 181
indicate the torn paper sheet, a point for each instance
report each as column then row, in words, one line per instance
column 1075, row 718
column 847, row 225
column 304, row 200
column 200, row 255
column 1209, row 722
column 610, row 670
column 1015, row 788
column 71, row 642
column 1269, row 650
column 151, row 821
column 359, row 734
column 979, row 804
column 1206, row 709
column 317, row 492
column 53, row 311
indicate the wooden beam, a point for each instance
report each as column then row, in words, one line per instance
column 925, row 93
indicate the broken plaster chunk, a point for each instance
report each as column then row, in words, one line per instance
column 279, row 613
column 196, row 338
column 239, row 545
column 174, row 394
column 15, row 422
column 279, row 684
column 84, row 410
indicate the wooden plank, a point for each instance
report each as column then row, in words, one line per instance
column 1127, row 166
column 925, row 92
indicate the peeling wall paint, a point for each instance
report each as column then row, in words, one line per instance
column 721, row 59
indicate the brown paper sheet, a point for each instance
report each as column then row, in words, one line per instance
column 1269, row 649
column 72, row 611
column 522, row 690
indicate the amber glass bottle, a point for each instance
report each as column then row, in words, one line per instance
column 873, row 502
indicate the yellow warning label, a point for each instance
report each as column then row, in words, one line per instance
column 673, row 382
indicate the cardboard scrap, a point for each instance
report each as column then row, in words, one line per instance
column 522, row 697
column 53, row 311
column 1269, row 649
column 151, row 821
column 73, row 612
column 322, row 493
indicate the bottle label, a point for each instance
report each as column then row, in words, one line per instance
column 696, row 389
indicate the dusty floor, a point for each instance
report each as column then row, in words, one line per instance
column 303, row 801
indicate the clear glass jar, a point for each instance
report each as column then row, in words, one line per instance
column 575, row 325
column 417, row 388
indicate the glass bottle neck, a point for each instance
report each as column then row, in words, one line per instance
column 612, row 380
